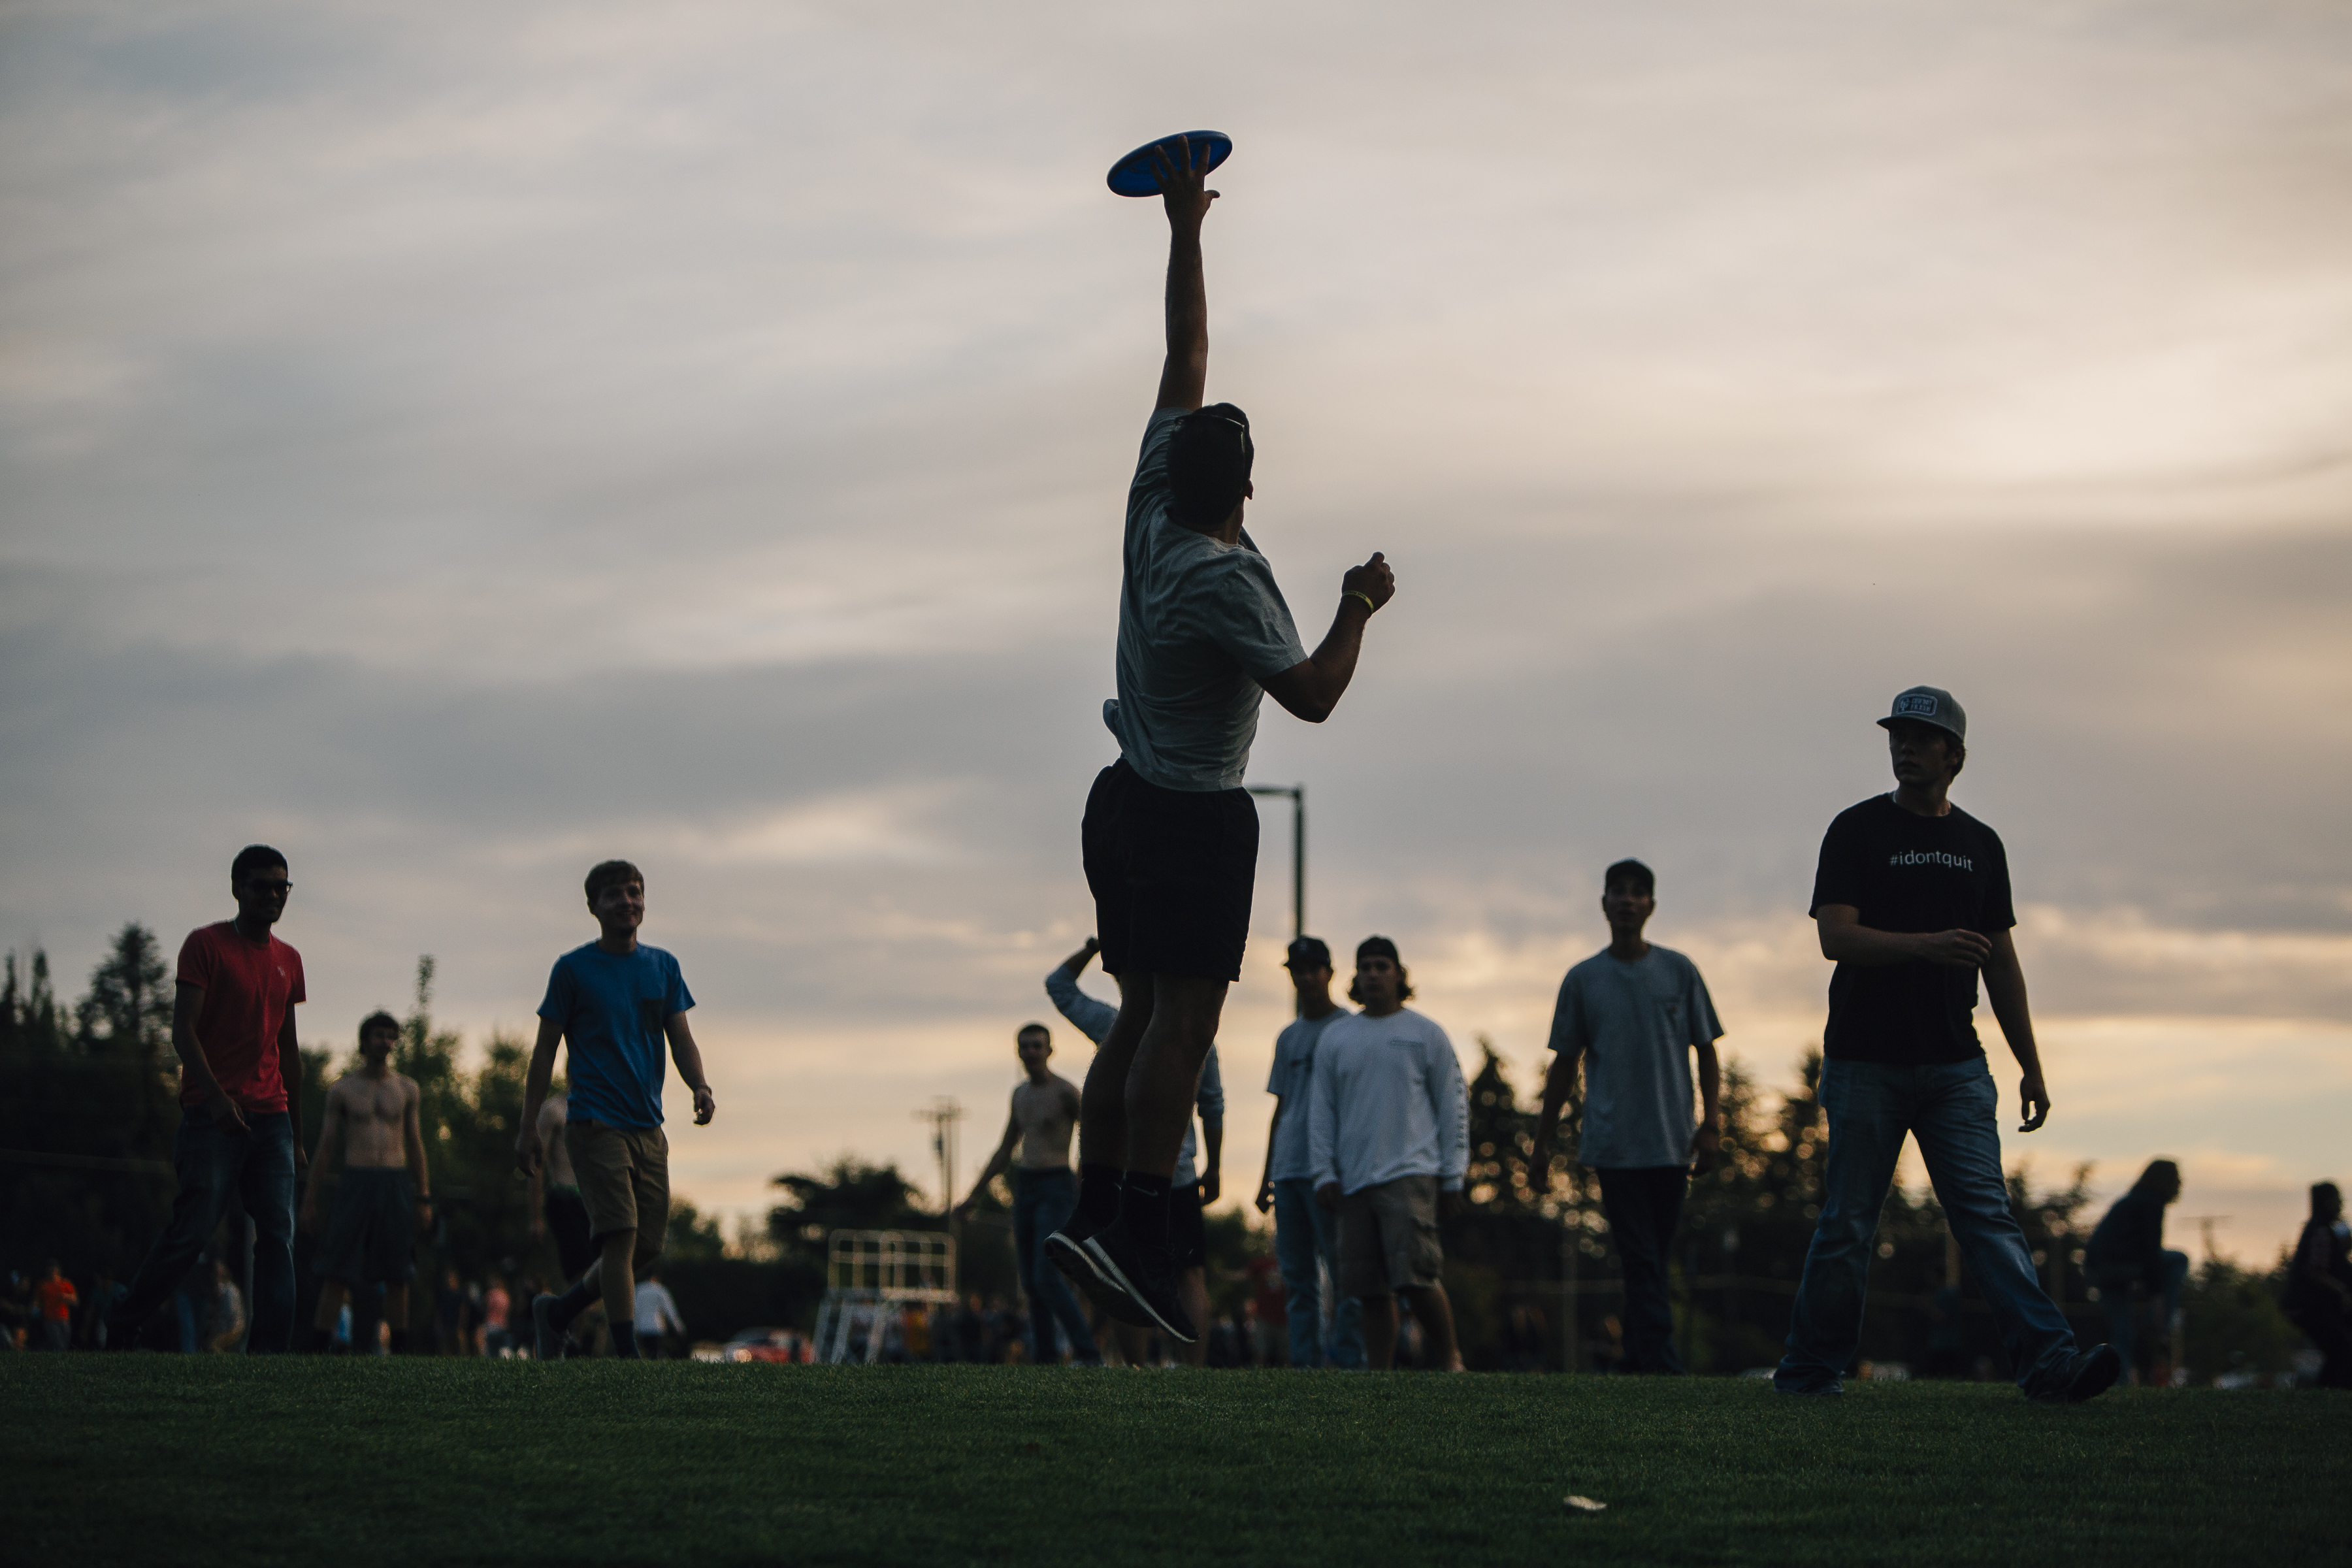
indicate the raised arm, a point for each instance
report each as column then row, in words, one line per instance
column 1185, row 373
column 1310, row 688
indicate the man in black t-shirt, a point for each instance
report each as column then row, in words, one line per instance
column 1912, row 900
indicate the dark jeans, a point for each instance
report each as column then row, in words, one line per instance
column 1305, row 1233
column 1644, row 1203
column 2163, row 1279
column 214, row 1162
column 1953, row 1109
column 1043, row 1202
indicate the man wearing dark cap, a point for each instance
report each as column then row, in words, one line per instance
column 1912, row 901
column 1388, row 1133
column 1171, row 836
column 1634, row 1014
column 1304, row 1232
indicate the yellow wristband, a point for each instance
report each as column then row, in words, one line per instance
column 1370, row 608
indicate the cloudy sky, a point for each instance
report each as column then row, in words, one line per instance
column 458, row 443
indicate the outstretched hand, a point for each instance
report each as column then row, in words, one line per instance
column 1182, row 191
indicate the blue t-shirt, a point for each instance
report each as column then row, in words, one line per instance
column 611, row 1008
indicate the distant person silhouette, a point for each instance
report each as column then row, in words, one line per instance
column 1636, row 1014
column 384, row 1194
column 240, row 1102
column 1170, row 835
column 611, row 1003
column 1306, row 1234
column 2319, row 1285
column 1912, row 900
column 2127, row 1250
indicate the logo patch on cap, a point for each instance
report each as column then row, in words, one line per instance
column 1917, row 702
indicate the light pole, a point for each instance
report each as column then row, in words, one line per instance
column 1298, row 793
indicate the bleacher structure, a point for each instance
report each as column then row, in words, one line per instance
column 871, row 1278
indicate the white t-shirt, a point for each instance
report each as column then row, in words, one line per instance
column 1201, row 628
column 1294, row 1070
column 655, row 1308
column 1389, row 1101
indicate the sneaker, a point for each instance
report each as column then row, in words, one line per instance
column 547, row 1340
column 1139, row 1281
column 2088, row 1377
column 1067, row 1249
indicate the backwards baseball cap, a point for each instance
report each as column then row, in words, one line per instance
column 1308, row 952
column 1930, row 705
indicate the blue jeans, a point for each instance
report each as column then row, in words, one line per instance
column 1644, row 1203
column 2164, row 1280
column 1043, row 1202
column 1952, row 1108
column 214, row 1161
column 1305, row 1231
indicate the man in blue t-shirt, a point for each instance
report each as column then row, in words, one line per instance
column 1912, row 900
column 1635, row 1014
column 614, row 1002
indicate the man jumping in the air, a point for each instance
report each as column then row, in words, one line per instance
column 1171, row 836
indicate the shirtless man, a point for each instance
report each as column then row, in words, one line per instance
column 1044, row 1195
column 383, row 1196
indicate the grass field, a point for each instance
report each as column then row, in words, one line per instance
column 201, row 1458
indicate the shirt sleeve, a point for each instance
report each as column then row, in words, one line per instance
column 1837, row 879
column 1210, row 1096
column 1568, row 1016
column 1281, row 1047
column 678, row 999
column 1323, row 1118
column 1091, row 1018
column 195, row 966
column 557, row 1005
column 1998, row 914
column 1705, row 1027
column 1450, row 1099
column 296, row 991
column 1151, row 462
column 1234, row 601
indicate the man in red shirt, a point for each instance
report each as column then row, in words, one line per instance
column 240, row 1099
column 57, row 1299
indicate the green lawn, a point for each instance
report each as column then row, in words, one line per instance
column 215, row 1459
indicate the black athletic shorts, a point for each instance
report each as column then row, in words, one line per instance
column 1188, row 1233
column 1172, row 871
column 371, row 1236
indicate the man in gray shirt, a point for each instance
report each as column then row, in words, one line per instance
column 1635, row 1012
column 1306, row 1234
column 1170, row 834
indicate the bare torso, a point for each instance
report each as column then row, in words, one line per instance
column 1046, row 1113
column 372, row 1111
column 554, row 1113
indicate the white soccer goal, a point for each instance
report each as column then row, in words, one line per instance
column 871, row 1278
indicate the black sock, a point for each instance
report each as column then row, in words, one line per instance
column 1099, row 1187
column 624, row 1341
column 1143, row 1207
column 572, row 1303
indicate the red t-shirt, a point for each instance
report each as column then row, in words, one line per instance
column 248, row 989
column 57, row 1298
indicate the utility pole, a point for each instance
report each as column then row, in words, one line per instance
column 943, row 1115
column 1298, row 793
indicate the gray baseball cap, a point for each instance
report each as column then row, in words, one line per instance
column 1930, row 705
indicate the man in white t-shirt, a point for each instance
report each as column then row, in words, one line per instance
column 1389, row 1130
column 1633, row 1013
column 656, row 1315
column 1306, row 1234
column 1170, row 834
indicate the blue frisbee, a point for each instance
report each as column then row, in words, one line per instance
column 1132, row 175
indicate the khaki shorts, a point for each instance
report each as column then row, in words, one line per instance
column 623, row 1179
column 1388, row 1237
